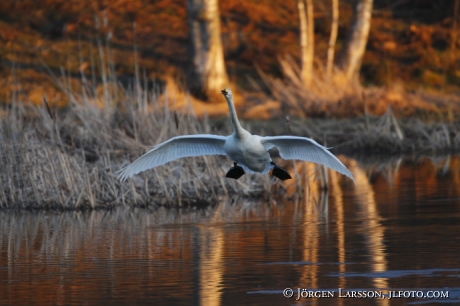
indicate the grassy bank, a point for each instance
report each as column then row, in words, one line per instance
column 374, row 135
column 65, row 158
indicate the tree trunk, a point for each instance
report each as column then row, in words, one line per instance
column 333, row 37
column 307, row 32
column 208, row 76
column 453, row 40
column 355, row 46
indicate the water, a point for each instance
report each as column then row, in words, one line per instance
column 396, row 230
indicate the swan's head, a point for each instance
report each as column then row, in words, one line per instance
column 227, row 92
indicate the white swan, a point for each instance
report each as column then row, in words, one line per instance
column 249, row 152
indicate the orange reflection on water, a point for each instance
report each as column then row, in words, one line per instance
column 217, row 255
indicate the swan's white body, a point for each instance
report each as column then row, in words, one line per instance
column 247, row 150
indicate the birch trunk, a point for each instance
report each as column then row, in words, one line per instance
column 453, row 41
column 355, row 46
column 208, row 76
column 333, row 37
column 307, row 32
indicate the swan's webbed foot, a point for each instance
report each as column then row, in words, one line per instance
column 280, row 173
column 235, row 172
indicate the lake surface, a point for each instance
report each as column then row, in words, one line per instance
column 396, row 232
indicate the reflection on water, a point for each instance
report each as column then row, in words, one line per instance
column 396, row 229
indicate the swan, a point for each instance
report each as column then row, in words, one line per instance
column 249, row 152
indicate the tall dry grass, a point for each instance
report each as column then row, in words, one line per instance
column 66, row 158
column 371, row 136
column 377, row 120
column 334, row 96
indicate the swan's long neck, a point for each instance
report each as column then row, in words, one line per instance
column 233, row 117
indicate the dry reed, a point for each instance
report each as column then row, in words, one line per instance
column 334, row 96
column 353, row 119
column 66, row 158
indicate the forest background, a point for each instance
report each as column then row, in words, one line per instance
column 412, row 47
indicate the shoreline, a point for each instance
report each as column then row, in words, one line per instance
column 276, row 193
column 66, row 157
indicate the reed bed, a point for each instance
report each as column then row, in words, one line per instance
column 66, row 158
column 334, row 96
column 375, row 135
column 356, row 120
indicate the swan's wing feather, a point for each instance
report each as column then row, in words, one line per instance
column 302, row 148
column 175, row 148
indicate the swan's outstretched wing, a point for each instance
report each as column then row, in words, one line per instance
column 175, row 148
column 302, row 148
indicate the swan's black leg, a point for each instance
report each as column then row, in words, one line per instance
column 235, row 172
column 280, row 173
